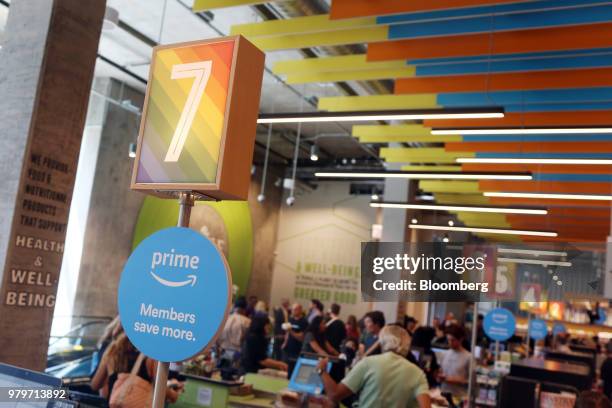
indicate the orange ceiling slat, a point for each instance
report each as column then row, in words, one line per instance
column 502, row 42
column 539, row 168
column 515, row 81
column 364, row 8
column 595, row 213
column 581, row 205
column 569, row 238
column 545, row 220
column 530, row 119
column 531, row 147
column 538, row 186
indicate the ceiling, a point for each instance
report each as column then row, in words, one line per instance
column 548, row 63
column 171, row 21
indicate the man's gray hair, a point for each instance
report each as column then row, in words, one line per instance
column 394, row 338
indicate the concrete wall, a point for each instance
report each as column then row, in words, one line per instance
column 113, row 209
column 265, row 217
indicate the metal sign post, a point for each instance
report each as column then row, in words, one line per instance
column 186, row 201
column 528, row 324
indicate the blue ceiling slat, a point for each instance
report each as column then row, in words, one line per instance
column 466, row 12
column 604, row 60
column 545, row 155
column 559, row 107
column 596, row 178
column 540, row 19
column 544, row 96
column 539, row 138
column 510, row 57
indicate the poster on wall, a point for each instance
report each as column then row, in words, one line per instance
column 318, row 249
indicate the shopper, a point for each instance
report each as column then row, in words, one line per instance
column 295, row 336
column 562, row 343
column 352, row 328
column 410, row 324
column 119, row 358
column 316, row 309
column 235, row 329
column 255, row 348
column 455, row 364
column 281, row 316
column 606, row 371
column 335, row 329
column 261, row 308
column 315, row 340
column 421, row 342
column 385, row 380
column 374, row 321
column 111, row 332
column 250, row 309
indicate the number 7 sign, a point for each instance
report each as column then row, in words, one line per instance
column 200, row 72
column 199, row 119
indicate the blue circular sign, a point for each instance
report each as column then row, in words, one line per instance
column 558, row 328
column 174, row 294
column 499, row 324
column 537, row 329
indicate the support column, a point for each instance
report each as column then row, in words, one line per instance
column 46, row 67
column 394, row 230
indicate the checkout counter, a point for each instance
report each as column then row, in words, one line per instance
column 213, row 392
column 304, row 389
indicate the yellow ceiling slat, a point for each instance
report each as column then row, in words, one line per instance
column 462, row 199
column 437, row 186
column 410, row 138
column 300, row 25
column 432, row 169
column 355, row 62
column 378, row 102
column 400, row 134
column 484, row 220
column 420, row 155
column 321, row 39
column 350, row 75
column 203, row 5
column 492, row 238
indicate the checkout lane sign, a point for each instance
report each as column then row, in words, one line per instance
column 537, row 329
column 174, row 294
column 499, row 324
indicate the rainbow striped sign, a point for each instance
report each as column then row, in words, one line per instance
column 185, row 132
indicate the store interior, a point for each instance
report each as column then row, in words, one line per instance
column 488, row 125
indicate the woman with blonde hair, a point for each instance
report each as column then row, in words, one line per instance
column 261, row 308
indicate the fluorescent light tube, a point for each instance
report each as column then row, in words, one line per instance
column 403, row 114
column 461, row 208
column 534, row 252
column 484, row 230
column 527, row 131
column 433, row 176
column 534, row 262
column 532, row 161
column 549, row 196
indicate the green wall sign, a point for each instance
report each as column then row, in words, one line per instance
column 227, row 223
